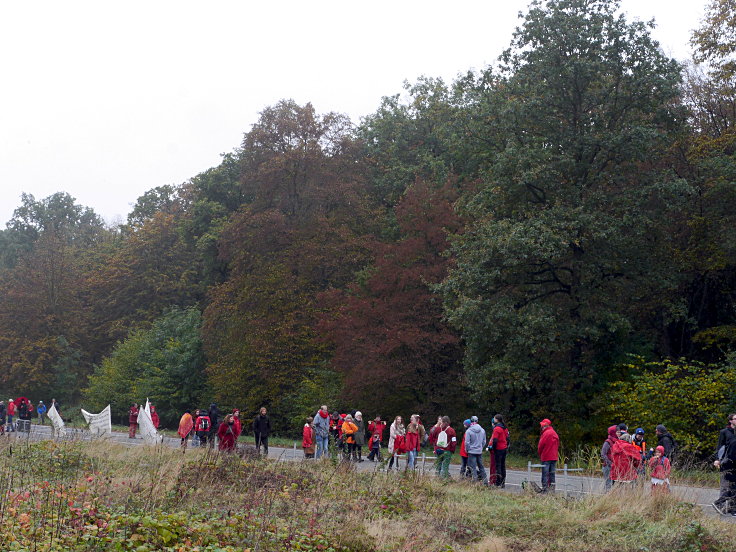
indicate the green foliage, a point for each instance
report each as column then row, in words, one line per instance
column 164, row 364
column 691, row 399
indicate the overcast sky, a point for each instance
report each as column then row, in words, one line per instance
column 106, row 100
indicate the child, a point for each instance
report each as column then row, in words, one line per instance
column 660, row 468
column 308, row 438
column 375, row 445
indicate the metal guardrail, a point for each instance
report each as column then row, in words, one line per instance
column 565, row 474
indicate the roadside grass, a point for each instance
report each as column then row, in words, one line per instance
column 103, row 496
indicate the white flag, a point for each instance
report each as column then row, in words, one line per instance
column 99, row 424
column 145, row 424
column 56, row 422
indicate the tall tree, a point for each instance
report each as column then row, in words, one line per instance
column 567, row 247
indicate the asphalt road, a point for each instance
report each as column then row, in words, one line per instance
column 570, row 484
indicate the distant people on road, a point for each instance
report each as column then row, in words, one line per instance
column 308, row 438
column 445, row 445
column 186, row 423
column 261, row 430
column 660, row 468
column 322, row 431
column 726, row 503
column 41, row 409
column 475, row 442
column 132, row 421
column 725, row 436
column 625, row 461
column 607, row 457
column 226, row 434
column 499, row 445
column 413, row 440
column 349, row 429
column 548, row 449
column 237, row 424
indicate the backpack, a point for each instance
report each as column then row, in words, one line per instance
column 204, row 425
column 442, row 439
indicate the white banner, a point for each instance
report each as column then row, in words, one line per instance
column 145, row 424
column 99, row 424
column 56, row 422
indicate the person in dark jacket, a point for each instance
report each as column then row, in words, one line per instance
column 664, row 439
column 727, row 466
column 261, row 430
column 725, row 437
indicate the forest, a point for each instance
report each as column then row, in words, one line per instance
column 553, row 236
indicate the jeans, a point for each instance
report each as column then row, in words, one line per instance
column 322, row 445
column 500, row 457
column 11, row 427
column 548, row 474
column 607, row 478
column 411, row 459
column 475, row 462
column 444, row 457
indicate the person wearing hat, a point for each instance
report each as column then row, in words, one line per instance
column 475, row 442
column 548, row 449
column 641, row 445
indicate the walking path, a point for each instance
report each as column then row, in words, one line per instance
column 571, row 485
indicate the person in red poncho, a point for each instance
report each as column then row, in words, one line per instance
column 154, row 417
column 186, row 424
column 626, row 459
column 660, row 468
column 226, row 434
column 548, row 449
column 308, row 438
column 132, row 421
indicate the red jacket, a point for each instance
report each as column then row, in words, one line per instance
column 199, row 425
column 307, row 436
column 11, row 408
column 501, row 435
column 626, row 459
column 451, row 439
column 660, row 467
column 463, row 452
column 376, row 429
column 133, row 416
column 411, row 441
column 549, row 445
column 226, row 435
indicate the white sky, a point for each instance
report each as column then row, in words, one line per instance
column 106, row 100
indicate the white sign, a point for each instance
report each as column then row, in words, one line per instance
column 145, row 424
column 99, row 424
column 56, row 422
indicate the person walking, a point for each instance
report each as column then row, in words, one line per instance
column 499, row 446
column 322, row 431
column 203, row 427
column 308, row 438
column 606, row 456
column 548, row 449
column 725, row 436
column 475, row 441
column 186, row 423
column 132, row 421
column 445, row 445
column 397, row 429
column 261, row 430
column 214, row 416
column 226, row 434
column 359, row 435
column 41, row 409
column 727, row 465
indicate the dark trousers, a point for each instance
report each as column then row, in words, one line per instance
column 500, row 457
column 262, row 440
column 548, row 474
column 727, row 500
column 375, row 453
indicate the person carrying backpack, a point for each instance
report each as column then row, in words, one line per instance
column 445, row 447
column 202, row 427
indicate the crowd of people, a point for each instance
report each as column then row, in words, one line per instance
column 17, row 414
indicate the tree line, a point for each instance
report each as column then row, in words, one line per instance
column 507, row 242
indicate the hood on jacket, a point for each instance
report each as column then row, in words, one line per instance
column 612, row 432
column 475, row 428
